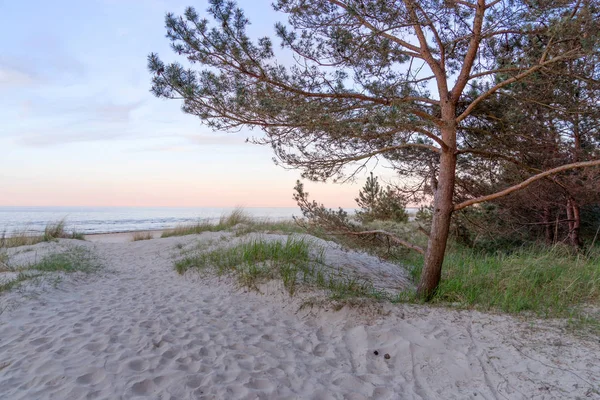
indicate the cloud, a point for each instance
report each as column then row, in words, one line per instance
column 79, row 111
column 53, row 139
column 44, row 62
column 167, row 149
column 15, row 78
column 192, row 142
column 48, row 56
column 112, row 112
column 216, row 139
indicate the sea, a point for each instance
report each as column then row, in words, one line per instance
column 89, row 220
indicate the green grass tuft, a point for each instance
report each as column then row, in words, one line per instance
column 295, row 261
column 76, row 259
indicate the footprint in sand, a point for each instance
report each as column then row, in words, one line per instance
column 91, row 378
column 138, row 365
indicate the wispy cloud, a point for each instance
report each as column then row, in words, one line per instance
column 57, row 124
column 167, row 149
column 216, row 139
column 54, row 139
column 111, row 112
column 84, row 109
column 191, row 143
column 11, row 78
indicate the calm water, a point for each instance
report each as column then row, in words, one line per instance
column 121, row 219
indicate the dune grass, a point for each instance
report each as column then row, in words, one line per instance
column 295, row 261
column 14, row 283
column 137, row 236
column 3, row 261
column 237, row 218
column 52, row 231
column 76, row 259
column 548, row 282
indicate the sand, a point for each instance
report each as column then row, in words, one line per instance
column 140, row 330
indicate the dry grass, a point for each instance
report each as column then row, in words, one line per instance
column 239, row 219
column 19, row 238
column 53, row 231
column 142, row 236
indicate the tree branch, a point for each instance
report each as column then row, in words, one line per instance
column 367, row 24
column 463, row 77
column 436, row 68
column 526, row 183
column 515, row 78
column 391, row 236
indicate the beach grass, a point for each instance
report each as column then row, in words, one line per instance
column 14, row 283
column 294, row 261
column 75, row 259
column 238, row 219
column 549, row 282
column 137, row 236
column 52, row 231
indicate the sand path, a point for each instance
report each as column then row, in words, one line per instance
column 144, row 331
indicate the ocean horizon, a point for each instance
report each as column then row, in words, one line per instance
column 89, row 220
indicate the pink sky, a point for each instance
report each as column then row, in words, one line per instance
column 79, row 126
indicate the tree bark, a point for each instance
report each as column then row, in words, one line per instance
column 548, row 226
column 574, row 223
column 440, row 224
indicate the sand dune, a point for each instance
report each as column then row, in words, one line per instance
column 140, row 330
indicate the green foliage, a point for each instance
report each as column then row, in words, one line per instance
column 377, row 203
column 317, row 214
column 423, row 216
column 337, row 225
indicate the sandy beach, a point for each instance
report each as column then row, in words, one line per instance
column 137, row 329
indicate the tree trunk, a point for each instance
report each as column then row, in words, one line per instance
column 440, row 225
column 574, row 223
column 548, row 226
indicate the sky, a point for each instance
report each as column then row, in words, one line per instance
column 80, row 127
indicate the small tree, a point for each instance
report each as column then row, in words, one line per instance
column 375, row 78
column 377, row 203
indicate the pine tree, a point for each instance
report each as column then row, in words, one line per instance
column 380, row 204
column 368, row 197
column 371, row 79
